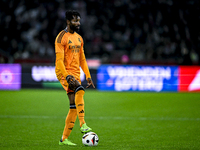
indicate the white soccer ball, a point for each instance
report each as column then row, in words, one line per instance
column 90, row 139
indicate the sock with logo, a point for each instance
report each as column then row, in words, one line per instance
column 79, row 101
column 69, row 122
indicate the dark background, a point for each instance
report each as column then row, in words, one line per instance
column 161, row 32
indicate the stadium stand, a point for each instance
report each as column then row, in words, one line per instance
column 114, row 31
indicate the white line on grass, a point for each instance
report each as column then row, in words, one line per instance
column 102, row 118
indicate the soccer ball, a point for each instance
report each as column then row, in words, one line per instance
column 90, row 139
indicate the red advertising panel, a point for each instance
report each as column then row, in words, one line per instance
column 189, row 78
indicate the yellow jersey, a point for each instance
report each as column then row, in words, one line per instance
column 69, row 51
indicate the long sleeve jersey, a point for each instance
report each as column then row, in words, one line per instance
column 70, row 55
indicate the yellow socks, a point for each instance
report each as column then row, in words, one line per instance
column 69, row 122
column 79, row 101
column 77, row 109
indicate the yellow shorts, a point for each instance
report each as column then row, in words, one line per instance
column 65, row 85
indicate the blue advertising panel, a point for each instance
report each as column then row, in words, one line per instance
column 137, row 78
column 10, row 76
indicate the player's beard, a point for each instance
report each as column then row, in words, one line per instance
column 74, row 28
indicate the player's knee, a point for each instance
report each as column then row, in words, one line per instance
column 74, row 85
column 78, row 88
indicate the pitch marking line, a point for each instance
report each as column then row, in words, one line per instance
column 102, row 118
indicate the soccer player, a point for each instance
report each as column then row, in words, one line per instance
column 69, row 58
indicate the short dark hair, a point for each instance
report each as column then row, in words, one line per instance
column 70, row 13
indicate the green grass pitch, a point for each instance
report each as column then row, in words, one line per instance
column 33, row 119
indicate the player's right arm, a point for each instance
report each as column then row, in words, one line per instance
column 60, row 64
column 60, row 43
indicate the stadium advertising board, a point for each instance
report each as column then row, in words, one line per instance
column 47, row 77
column 106, row 77
column 44, row 76
column 10, row 76
column 189, row 78
column 137, row 78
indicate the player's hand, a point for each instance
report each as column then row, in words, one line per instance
column 70, row 79
column 90, row 82
column 73, row 83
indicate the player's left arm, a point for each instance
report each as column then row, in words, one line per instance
column 84, row 66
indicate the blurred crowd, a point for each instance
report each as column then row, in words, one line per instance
column 114, row 31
